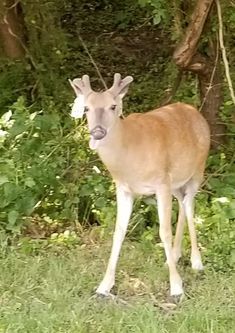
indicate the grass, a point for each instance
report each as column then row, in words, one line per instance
column 52, row 291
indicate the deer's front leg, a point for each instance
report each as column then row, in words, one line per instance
column 124, row 209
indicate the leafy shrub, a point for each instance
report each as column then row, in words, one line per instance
column 45, row 170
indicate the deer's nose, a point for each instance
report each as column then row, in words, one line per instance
column 98, row 132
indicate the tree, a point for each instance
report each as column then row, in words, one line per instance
column 12, row 31
column 196, row 51
column 206, row 66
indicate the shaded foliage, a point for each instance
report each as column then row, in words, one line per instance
column 47, row 173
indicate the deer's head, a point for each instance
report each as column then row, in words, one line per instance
column 102, row 109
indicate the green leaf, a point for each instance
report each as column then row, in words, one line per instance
column 100, row 202
column 150, row 201
column 30, row 182
column 232, row 256
column 228, row 103
column 12, row 217
column 3, row 179
column 6, row 117
column 26, row 204
column 33, row 115
column 143, row 2
column 100, row 188
column 86, row 190
column 157, row 19
column 75, row 200
column 10, row 191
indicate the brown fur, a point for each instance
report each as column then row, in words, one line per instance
column 144, row 148
column 161, row 152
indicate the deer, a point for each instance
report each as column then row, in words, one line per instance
column 161, row 152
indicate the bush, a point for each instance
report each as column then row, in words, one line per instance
column 46, row 169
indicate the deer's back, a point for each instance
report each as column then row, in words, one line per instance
column 172, row 140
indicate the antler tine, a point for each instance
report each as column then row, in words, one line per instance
column 119, row 84
column 117, row 78
column 86, row 81
column 81, row 86
column 116, row 82
column 127, row 80
column 86, row 84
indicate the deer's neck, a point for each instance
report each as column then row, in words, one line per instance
column 111, row 148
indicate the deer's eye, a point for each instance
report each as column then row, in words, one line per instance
column 113, row 107
column 86, row 109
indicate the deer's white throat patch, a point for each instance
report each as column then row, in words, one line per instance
column 94, row 144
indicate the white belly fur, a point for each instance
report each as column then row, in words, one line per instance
column 150, row 188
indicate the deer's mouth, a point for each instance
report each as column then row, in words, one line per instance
column 97, row 134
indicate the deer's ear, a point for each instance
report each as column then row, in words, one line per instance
column 79, row 102
column 78, row 107
column 76, row 84
column 124, row 86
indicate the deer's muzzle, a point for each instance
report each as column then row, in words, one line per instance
column 98, row 132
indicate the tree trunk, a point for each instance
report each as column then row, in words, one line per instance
column 188, row 46
column 211, row 96
column 206, row 67
column 12, row 29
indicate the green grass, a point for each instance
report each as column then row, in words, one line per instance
column 51, row 291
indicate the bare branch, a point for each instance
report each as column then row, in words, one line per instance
column 177, row 19
column 173, row 90
column 14, row 5
column 223, row 51
column 92, row 61
column 212, row 76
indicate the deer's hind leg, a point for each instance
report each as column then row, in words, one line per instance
column 177, row 245
column 191, row 189
column 164, row 203
column 185, row 197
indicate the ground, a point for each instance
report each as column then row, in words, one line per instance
column 52, row 290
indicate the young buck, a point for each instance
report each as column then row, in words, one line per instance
column 161, row 152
